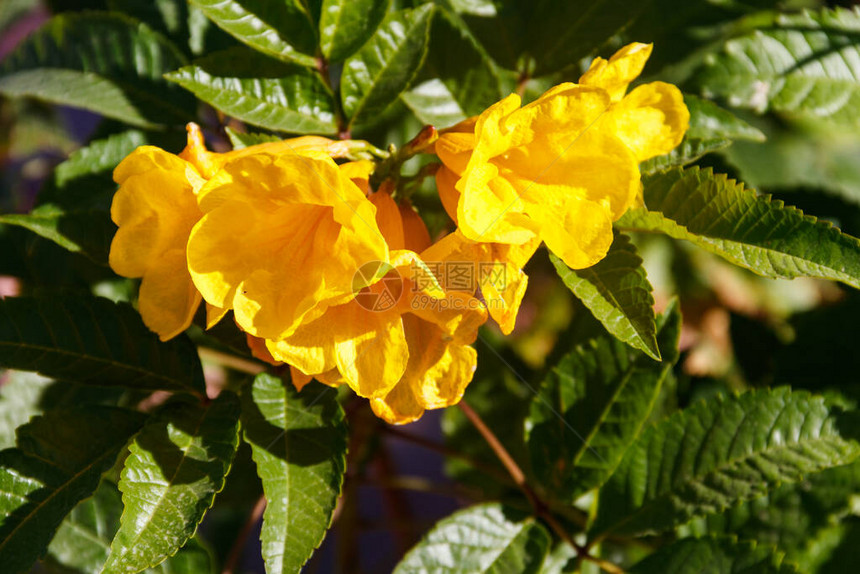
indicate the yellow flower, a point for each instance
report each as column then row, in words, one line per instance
column 402, row 342
column 155, row 209
column 652, row 119
column 564, row 167
column 496, row 269
column 280, row 239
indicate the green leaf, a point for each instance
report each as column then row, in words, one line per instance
column 465, row 81
column 283, row 29
column 749, row 230
column 592, row 406
column 720, row 452
column 20, row 394
column 298, row 442
column 83, row 540
column 804, row 64
column 347, row 24
column 433, row 103
column 711, row 129
column 241, row 140
column 170, row 17
column 559, row 34
column 58, row 462
column 105, row 63
column 617, row 292
column 86, row 231
column 261, row 91
column 94, row 341
column 794, row 518
column 485, row 539
column 99, row 156
column 376, row 75
column 715, row 556
column 177, row 464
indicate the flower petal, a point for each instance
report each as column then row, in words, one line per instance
column 168, row 298
column 622, row 68
column 651, row 120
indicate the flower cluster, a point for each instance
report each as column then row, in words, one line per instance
column 343, row 282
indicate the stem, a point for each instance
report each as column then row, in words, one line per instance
column 342, row 128
column 519, row 477
column 235, row 554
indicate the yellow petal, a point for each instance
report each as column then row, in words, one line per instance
column 388, row 219
column 446, row 184
column 168, row 299
column 437, row 376
column 374, row 359
column 579, row 231
column 260, row 351
column 398, row 407
column 154, row 208
column 359, row 172
column 214, row 314
column 651, row 120
column 622, row 68
column 455, row 149
column 298, row 212
column 416, row 237
column 299, row 379
column 504, row 287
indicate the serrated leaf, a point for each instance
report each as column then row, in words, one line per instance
column 592, row 406
column 793, row 518
column 298, row 442
column 385, row 66
column 94, row 341
column 715, row 556
column 749, row 230
column 484, row 539
column 176, row 465
column 347, row 24
column 85, row 231
column 711, row 129
column 720, row 452
column 282, row 29
column 804, row 64
column 83, row 540
column 105, row 63
column 99, row 156
column 617, row 292
column 59, row 461
column 241, row 140
column 261, row 91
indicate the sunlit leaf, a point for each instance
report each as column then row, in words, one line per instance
column 59, row 461
column 298, row 441
column 749, row 230
column 176, row 465
column 484, row 539
column 720, row 452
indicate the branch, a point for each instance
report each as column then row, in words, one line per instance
column 519, row 477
